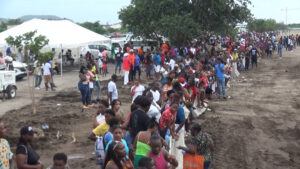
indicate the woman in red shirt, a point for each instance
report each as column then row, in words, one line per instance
column 167, row 120
column 191, row 88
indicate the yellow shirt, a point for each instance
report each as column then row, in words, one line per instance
column 101, row 129
column 235, row 56
column 53, row 64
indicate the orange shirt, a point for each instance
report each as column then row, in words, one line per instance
column 131, row 58
column 140, row 51
column 126, row 63
column 165, row 47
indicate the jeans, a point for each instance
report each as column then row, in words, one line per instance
column 38, row 80
column 247, row 62
column 280, row 53
column 126, row 73
column 206, row 164
column 129, row 139
column 97, row 85
column 131, row 74
column 137, row 68
column 162, row 81
column 91, row 94
column 85, row 93
column 221, row 84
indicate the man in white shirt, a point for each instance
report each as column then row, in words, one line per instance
column 154, row 110
column 47, row 75
column 112, row 89
column 172, row 64
column 137, row 90
column 38, row 74
column 155, row 92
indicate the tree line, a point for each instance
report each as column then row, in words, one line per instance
column 263, row 25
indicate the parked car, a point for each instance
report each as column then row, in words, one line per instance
column 94, row 50
column 8, row 83
column 20, row 70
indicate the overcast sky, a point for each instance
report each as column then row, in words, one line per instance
column 106, row 11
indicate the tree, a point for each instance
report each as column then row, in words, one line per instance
column 263, row 25
column 28, row 41
column 94, row 26
column 182, row 20
column 4, row 24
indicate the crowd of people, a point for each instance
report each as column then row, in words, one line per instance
column 184, row 79
column 160, row 131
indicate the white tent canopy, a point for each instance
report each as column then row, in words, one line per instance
column 61, row 33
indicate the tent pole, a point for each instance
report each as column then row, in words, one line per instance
column 61, row 61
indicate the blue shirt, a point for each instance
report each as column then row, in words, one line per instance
column 124, row 142
column 213, row 61
column 220, row 74
column 108, row 137
column 180, row 117
column 157, row 59
column 51, row 65
column 137, row 61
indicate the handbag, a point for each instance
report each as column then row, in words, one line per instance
column 193, row 161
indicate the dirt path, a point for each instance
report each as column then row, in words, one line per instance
column 260, row 126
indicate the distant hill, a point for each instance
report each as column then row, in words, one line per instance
column 47, row 17
column 3, row 19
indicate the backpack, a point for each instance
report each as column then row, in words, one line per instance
column 99, row 149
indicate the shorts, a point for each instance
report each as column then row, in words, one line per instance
column 118, row 64
column 47, row 79
column 157, row 68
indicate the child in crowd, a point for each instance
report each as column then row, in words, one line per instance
column 117, row 132
column 160, row 156
column 146, row 163
column 59, row 162
column 104, row 68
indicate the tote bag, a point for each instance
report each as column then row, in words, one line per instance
column 193, row 161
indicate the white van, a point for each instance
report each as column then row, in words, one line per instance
column 94, row 50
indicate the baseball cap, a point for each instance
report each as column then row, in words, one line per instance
column 181, row 80
column 131, row 51
column 126, row 54
column 27, row 130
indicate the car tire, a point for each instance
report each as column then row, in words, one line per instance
column 11, row 92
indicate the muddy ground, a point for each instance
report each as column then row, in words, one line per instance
column 61, row 112
column 259, row 127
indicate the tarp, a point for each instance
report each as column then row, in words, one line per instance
column 61, row 33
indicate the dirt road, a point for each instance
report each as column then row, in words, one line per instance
column 259, row 128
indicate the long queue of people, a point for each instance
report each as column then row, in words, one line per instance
column 160, row 126
column 184, row 78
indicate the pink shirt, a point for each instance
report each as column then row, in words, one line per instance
column 2, row 61
column 160, row 161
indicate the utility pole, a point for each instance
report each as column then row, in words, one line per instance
column 286, row 13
